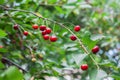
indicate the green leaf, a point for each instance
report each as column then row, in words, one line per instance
column 1, row 65
column 2, row 33
column 106, row 63
column 52, row 1
column 116, row 77
column 3, row 50
column 72, row 49
column 97, row 37
column 69, row 45
column 79, row 58
column 18, row 0
column 97, row 74
column 1, row 77
column 13, row 73
column 2, row 1
column 92, row 74
column 88, row 42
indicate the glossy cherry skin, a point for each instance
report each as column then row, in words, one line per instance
column 46, row 37
column 48, row 30
column 16, row 27
column 1, row 46
column 84, row 66
column 73, row 38
column 44, row 33
column 77, row 28
column 53, row 38
column 95, row 49
column 25, row 33
column 43, row 27
column 35, row 26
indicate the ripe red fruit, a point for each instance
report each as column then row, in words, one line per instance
column 46, row 37
column 73, row 38
column 35, row 26
column 1, row 46
column 16, row 27
column 25, row 33
column 84, row 66
column 95, row 49
column 43, row 32
column 48, row 30
column 43, row 27
column 53, row 38
column 77, row 28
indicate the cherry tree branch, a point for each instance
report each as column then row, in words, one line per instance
column 7, row 61
column 60, row 24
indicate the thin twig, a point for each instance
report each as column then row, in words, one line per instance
column 5, row 60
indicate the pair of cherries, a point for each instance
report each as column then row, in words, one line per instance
column 76, row 29
column 94, row 50
column 16, row 27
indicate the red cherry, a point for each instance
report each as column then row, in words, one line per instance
column 77, row 28
column 1, row 46
column 48, row 30
column 43, row 27
column 16, row 27
column 25, row 33
column 73, row 38
column 46, row 37
column 95, row 49
column 84, row 66
column 35, row 26
column 53, row 38
column 43, row 32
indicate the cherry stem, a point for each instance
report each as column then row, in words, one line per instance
column 62, row 25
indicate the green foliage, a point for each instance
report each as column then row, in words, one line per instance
column 97, row 74
column 12, row 73
column 1, row 65
column 2, row 34
column 79, row 58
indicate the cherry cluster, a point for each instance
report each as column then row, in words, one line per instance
column 45, row 31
